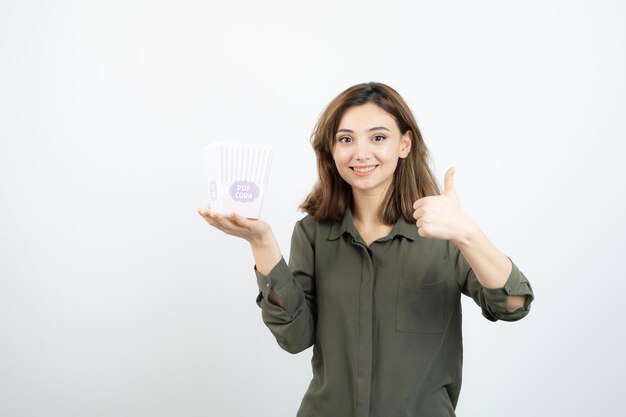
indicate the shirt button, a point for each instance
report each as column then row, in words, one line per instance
column 508, row 290
column 267, row 285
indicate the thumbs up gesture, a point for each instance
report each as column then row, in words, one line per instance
column 441, row 217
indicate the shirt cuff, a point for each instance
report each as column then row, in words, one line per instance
column 275, row 280
column 497, row 298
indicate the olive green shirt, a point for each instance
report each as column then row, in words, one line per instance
column 384, row 321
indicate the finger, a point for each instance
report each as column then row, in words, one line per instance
column 208, row 218
column 418, row 213
column 240, row 220
column 421, row 201
column 448, row 182
column 203, row 213
column 235, row 218
column 419, row 218
column 243, row 224
column 220, row 219
column 229, row 224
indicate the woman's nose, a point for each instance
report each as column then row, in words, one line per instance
column 363, row 151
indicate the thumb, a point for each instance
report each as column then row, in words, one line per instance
column 448, row 182
column 237, row 218
column 240, row 220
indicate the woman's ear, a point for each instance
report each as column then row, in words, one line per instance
column 406, row 140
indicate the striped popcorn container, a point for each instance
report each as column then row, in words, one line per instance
column 237, row 174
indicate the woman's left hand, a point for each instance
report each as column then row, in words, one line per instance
column 441, row 217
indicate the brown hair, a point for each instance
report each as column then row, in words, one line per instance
column 412, row 179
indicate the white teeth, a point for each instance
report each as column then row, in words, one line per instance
column 364, row 169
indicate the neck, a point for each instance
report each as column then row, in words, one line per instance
column 365, row 208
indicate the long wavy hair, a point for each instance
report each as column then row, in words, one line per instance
column 412, row 179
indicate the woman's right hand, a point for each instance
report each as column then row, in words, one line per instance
column 255, row 231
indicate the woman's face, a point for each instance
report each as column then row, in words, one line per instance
column 367, row 146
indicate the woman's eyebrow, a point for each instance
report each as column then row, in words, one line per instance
column 369, row 130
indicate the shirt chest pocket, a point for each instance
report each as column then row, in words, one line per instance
column 419, row 307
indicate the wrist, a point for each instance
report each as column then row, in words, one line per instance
column 468, row 234
column 266, row 253
column 262, row 241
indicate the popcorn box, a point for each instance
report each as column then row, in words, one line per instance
column 237, row 174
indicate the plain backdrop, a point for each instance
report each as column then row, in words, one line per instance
column 118, row 299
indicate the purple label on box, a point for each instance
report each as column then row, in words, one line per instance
column 244, row 191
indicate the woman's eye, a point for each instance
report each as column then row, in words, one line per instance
column 379, row 136
column 344, row 137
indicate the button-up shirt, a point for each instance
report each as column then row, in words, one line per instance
column 384, row 320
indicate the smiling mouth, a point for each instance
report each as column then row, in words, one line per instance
column 364, row 170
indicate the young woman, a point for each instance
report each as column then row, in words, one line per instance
column 377, row 267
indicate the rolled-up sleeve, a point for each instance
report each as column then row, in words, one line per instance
column 493, row 301
column 294, row 284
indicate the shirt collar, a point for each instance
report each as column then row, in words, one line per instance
column 401, row 227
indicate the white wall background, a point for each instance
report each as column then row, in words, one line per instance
column 117, row 299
